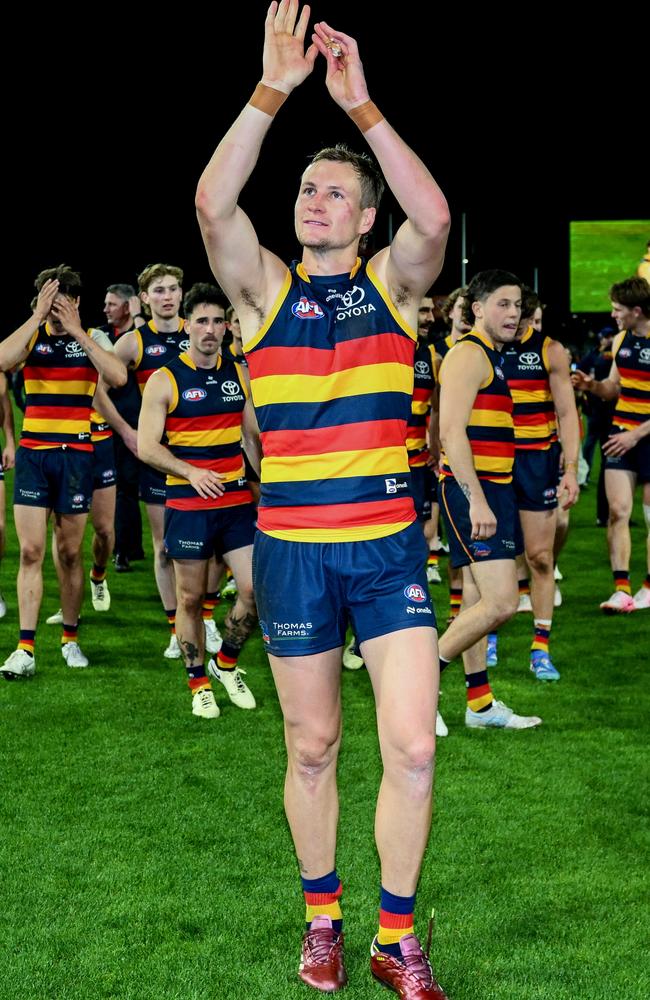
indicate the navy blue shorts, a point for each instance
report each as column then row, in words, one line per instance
column 152, row 485
column 535, row 476
column 59, row 479
column 463, row 549
column 635, row 460
column 200, row 534
column 308, row 592
column 103, row 464
column 424, row 487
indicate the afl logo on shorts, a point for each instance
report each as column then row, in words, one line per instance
column 155, row 350
column 414, row 592
column 550, row 493
column 304, row 308
column 529, row 358
column 422, row 368
column 499, row 374
column 194, row 395
column 480, row 549
column 78, row 498
column 44, row 349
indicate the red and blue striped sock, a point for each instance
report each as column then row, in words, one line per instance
column 395, row 920
column 322, row 897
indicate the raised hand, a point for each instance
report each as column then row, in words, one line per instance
column 67, row 312
column 345, row 78
column 45, row 299
column 285, row 62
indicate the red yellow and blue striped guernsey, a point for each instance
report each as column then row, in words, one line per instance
column 156, row 349
column 632, row 358
column 425, row 381
column 60, row 383
column 331, row 375
column 203, row 427
column 490, row 429
column 526, row 366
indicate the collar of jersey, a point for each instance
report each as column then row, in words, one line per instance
column 186, row 359
column 301, row 272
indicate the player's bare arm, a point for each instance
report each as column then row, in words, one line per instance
column 559, row 378
column 16, row 346
column 251, row 276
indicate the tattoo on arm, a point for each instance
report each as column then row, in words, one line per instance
column 465, row 490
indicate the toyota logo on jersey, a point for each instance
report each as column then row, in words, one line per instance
column 529, row 358
column 422, row 368
column 230, row 388
column 305, row 308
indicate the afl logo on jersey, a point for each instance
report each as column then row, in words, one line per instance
column 304, row 308
column 422, row 368
column 529, row 358
column 155, row 350
column 624, row 352
column 194, row 395
column 645, row 355
column 414, row 592
column 44, row 349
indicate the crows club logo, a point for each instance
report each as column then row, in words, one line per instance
column 422, row 368
column 306, row 308
column 414, row 592
column 155, row 350
column 194, row 395
column 44, row 349
column 265, row 631
column 480, row 549
column 529, row 358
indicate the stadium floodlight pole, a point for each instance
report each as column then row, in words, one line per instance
column 536, row 279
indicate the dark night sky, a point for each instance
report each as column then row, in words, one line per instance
column 107, row 152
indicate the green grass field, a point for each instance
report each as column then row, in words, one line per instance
column 144, row 853
column 601, row 254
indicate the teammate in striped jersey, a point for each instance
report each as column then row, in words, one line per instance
column 330, row 345
column 477, row 499
column 200, row 404
column 537, row 371
column 8, row 462
column 54, row 458
column 628, row 446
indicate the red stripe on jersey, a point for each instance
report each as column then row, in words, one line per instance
column 531, row 419
column 341, row 437
column 88, row 374
column 36, row 412
column 213, row 421
column 341, row 515
column 493, row 449
column 484, row 401
column 381, row 348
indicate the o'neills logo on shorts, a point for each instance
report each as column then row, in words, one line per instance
column 414, row 592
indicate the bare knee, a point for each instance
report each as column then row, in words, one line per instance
column 69, row 556
column 190, row 602
column 311, row 754
column 541, row 562
column 619, row 511
column 413, row 757
column 31, row 554
column 502, row 608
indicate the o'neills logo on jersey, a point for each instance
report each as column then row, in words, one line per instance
column 422, row 368
column 305, row 308
column 194, row 395
column 414, row 592
column 155, row 350
column 529, row 359
column 44, row 349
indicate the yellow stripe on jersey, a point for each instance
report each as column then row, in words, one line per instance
column 227, row 477
column 490, row 418
column 641, row 384
column 334, row 465
column 47, row 387
column 529, row 395
column 420, row 407
column 362, row 381
column 366, row 533
column 204, row 438
column 61, row 426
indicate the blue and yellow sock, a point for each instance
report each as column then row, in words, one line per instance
column 322, row 897
column 395, row 920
